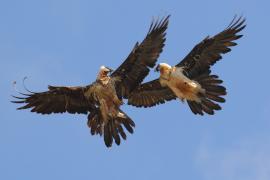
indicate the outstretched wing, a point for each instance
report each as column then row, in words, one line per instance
column 58, row 100
column 150, row 94
column 209, row 51
column 197, row 62
column 143, row 56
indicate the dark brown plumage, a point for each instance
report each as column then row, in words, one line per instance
column 209, row 51
column 57, row 100
column 196, row 66
column 102, row 99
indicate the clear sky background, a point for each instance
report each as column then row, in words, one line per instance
column 64, row 42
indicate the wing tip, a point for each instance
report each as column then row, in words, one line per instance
column 158, row 23
column 238, row 23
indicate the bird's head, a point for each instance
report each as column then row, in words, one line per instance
column 163, row 68
column 104, row 72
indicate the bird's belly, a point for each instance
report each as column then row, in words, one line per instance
column 108, row 108
column 109, row 102
column 111, row 98
column 185, row 88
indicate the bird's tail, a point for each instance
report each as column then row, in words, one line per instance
column 211, row 96
column 112, row 129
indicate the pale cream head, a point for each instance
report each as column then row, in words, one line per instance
column 164, row 68
column 103, row 72
column 165, row 65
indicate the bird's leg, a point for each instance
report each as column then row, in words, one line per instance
column 117, row 101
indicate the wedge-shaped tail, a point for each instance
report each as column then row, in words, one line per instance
column 212, row 96
column 113, row 129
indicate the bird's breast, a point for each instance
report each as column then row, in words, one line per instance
column 183, row 87
column 108, row 93
column 105, row 90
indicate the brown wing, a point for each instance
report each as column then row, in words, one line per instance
column 209, row 51
column 58, row 100
column 150, row 94
column 144, row 56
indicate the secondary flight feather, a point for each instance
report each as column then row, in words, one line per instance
column 191, row 79
column 102, row 99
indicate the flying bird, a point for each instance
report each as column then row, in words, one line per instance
column 102, row 99
column 191, row 79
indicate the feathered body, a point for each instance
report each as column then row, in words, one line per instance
column 105, row 93
column 182, row 86
column 107, row 119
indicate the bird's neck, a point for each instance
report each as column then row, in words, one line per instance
column 104, row 80
column 166, row 74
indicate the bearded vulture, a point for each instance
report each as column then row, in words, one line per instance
column 191, row 79
column 102, row 99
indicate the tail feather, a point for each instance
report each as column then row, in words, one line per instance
column 121, row 131
column 207, row 109
column 128, row 126
column 211, row 81
column 112, row 129
column 115, row 133
column 211, row 97
column 108, row 139
column 195, row 107
column 214, row 97
column 211, row 104
column 215, row 88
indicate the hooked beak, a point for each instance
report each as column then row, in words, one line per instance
column 157, row 69
column 110, row 70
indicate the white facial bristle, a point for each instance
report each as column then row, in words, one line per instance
column 102, row 67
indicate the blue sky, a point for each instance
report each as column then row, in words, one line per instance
column 64, row 42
